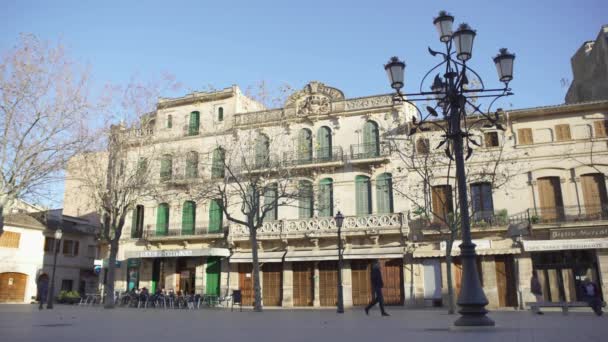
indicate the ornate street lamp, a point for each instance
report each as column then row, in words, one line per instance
column 455, row 100
column 339, row 218
column 49, row 302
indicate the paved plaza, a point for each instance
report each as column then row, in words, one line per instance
column 73, row 323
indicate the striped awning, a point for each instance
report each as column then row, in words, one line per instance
column 262, row 257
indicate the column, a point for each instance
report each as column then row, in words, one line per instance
column 317, row 289
column 287, row 284
column 347, row 284
column 445, row 297
column 490, row 286
column 224, row 277
column 234, row 276
column 523, row 277
column 602, row 265
column 120, row 277
column 413, row 282
column 199, row 276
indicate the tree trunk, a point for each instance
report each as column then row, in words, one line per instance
column 257, row 290
column 448, row 260
column 1, row 219
column 109, row 299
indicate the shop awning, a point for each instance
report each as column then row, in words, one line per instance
column 456, row 252
column 374, row 253
column 174, row 253
column 317, row 255
column 262, row 257
column 560, row 245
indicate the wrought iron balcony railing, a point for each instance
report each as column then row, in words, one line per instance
column 321, row 155
column 369, row 151
column 565, row 214
column 479, row 219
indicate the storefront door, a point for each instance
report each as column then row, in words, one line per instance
column 12, row 287
column 361, row 277
column 213, row 272
column 246, row 283
column 328, row 283
column 303, row 273
column 505, row 281
column 392, row 277
column 272, row 283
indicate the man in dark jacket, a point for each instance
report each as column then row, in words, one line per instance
column 591, row 295
column 377, row 286
column 43, row 290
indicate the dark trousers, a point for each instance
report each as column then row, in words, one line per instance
column 378, row 298
column 595, row 303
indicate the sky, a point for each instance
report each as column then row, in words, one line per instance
column 343, row 44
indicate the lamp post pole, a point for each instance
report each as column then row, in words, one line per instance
column 49, row 299
column 339, row 220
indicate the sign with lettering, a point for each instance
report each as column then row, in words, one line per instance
column 174, row 253
column 578, row 233
column 559, row 245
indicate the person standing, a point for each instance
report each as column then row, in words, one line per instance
column 377, row 286
column 591, row 295
column 43, row 290
column 537, row 291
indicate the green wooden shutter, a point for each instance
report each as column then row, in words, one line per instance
column 162, row 219
column 384, row 194
column 194, row 123
column 192, row 165
column 215, row 216
column 363, row 195
column 213, row 271
column 134, row 223
column 220, row 114
column 217, row 164
column 326, row 198
column 304, row 146
column 166, row 166
column 371, row 146
column 270, row 195
column 169, row 121
column 188, row 217
column 305, row 200
column 261, row 151
column 324, row 148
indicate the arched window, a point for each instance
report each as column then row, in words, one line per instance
column 324, row 148
column 326, row 198
column 371, row 142
column 194, row 123
column 594, row 195
column 162, row 219
column 262, row 151
column 215, row 216
column 217, row 163
column 169, row 121
column 192, row 165
column 384, row 193
column 220, row 114
column 422, row 146
column 305, row 199
column 270, row 197
column 137, row 225
column 304, row 148
column 166, row 167
column 188, row 217
column 363, row 195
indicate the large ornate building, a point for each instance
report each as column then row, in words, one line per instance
column 538, row 199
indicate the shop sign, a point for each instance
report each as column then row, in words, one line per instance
column 578, row 233
column 558, row 245
column 133, row 262
column 172, row 253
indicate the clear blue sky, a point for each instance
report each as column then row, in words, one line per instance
column 341, row 43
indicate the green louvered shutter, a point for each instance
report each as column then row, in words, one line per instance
column 304, row 146
column 261, row 151
column 270, row 195
column 217, row 164
column 371, row 146
column 305, row 200
column 324, row 149
column 166, row 166
column 162, row 219
column 326, row 198
column 188, row 218
column 194, row 123
column 363, row 195
column 215, row 216
column 192, row 165
column 384, row 194
column 213, row 276
column 134, row 223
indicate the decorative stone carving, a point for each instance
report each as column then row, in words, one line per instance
column 369, row 102
column 315, row 99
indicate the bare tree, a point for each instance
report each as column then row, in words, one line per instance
column 44, row 111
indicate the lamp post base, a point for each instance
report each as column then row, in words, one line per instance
column 474, row 316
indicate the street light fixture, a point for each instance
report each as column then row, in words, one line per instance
column 455, row 97
column 339, row 218
column 49, row 297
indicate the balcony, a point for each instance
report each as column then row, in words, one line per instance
column 568, row 214
column 178, row 179
column 199, row 231
column 369, row 152
column 480, row 220
column 321, row 157
column 190, row 131
column 324, row 227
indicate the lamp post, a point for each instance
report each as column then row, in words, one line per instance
column 339, row 218
column 453, row 94
column 49, row 303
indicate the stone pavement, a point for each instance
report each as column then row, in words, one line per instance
column 91, row 324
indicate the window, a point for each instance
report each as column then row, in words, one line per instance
column 371, row 142
column 306, row 199
column 443, row 205
column 543, row 135
column 324, row 148
column 562, row 132
column 70, row 248
column 363, row 195
column 142, row 168
column 304, row 148
column 137, row 222
column 601, row 128
column 326, row 198
column 215, row 216
column 384, row 193
column 188, row 217
column 166, row 167
column 481, row 201
column 582, row 132
column 162, row 219
column 270, row 197
column 525, row 136
column 422, row 146
column 49, row 244
column 10, row 240
column 491, row 139
column 262, row 146
column 220, row 114
column 67, row 284
column 194, row 123
column 169, row 121
column 192, row 165
column 217, row 164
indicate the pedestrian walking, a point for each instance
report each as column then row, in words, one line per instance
column 591, row 295
column 377, row 286
column 537, row 291
column 42, row 289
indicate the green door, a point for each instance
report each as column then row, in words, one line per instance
column 324, row 144
column 326, row 198
column 270, row 197
column 155, row 275
column 262, row 151
column 166, row 167
column 162, row 219
column 215, row 216
column 384, row 194
column 217, row 164
column 188, row 218
column 213, row 276
column 305, row 200
column 371, row 145
column 194, row 123
column 304, row 146
column 363, row 195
